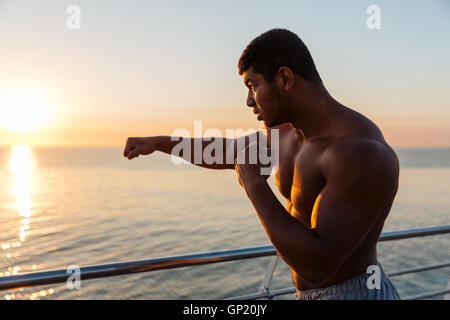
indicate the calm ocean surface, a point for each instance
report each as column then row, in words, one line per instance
column 85, row 206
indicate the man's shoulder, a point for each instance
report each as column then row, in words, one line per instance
column 358, row 146
column 354, row 155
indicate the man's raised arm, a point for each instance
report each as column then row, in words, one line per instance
column 200, row 151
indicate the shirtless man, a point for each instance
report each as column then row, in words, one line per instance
column 336, row 171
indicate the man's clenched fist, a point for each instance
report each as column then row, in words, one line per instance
column 139, row 146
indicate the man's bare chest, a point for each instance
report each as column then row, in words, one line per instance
column 300, row 180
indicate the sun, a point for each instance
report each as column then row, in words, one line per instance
column 23, row 110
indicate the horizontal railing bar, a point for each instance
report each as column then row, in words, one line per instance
column 412, row 233
column 427, row 294
column 251, row 296
column 280, row 292
column 293, row 290
column 115, row 269
column 418, row 269
column 266, row 294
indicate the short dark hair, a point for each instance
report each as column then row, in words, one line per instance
column 277, row 48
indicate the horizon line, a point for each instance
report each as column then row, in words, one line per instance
column 120, row 146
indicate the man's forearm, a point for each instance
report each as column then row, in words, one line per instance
column 300, row 247
column 197, row 145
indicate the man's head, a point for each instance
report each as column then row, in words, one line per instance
column 273, row 65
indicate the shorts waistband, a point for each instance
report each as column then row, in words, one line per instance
column 351, row 287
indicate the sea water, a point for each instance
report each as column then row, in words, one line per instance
column 87, row 206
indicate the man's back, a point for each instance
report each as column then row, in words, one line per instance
column 302, row 176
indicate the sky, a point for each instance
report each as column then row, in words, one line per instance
column 142, row 68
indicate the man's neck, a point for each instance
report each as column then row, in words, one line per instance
column 315, row 117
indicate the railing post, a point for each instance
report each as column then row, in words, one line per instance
column 265, row 285
column 447, row 296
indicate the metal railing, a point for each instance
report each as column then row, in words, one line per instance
column 122, row 268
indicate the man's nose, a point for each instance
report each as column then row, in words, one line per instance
column 250, row 100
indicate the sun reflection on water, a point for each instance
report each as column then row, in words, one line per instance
column 21, row 166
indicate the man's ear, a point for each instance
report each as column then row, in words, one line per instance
column 286, row 78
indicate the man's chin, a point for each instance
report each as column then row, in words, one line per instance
column 269, row 124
